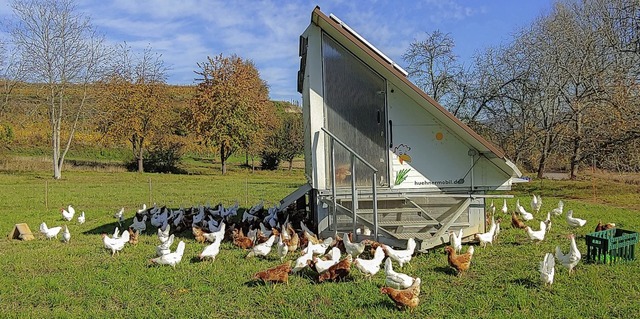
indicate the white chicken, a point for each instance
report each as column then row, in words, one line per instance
column 115, row 244
column 317, row 249
column 394, row 279
column 487, row 237
column 283, row 248
column 211, row 237
column 323, row 265
column 81, row 218
column 523, row 213
column 212, row 250
column 50, row 232
column 536, row 203
column 262, row 249
column 548, row 221
column 537, row 235
column 116, row 233
column 165, row 247
column 67, row 214
column 171, row 259
column 353, row 249
column 119, row 216
column 547, row 269
column 573, row 221
column 66, row 235
column 302, row 261
column 370, row 267
column 505, row 209
column 572, row 258
column 401, row 256
column 456, row 240
column 366, row 231
column 497, row 231
column 163, row 234
column 558, row 210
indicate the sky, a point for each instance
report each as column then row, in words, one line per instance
column 266, row 32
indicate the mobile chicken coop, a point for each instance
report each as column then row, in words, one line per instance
column 380, row 153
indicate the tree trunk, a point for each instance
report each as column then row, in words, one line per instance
column 290, row 164
column 55, row 140
column 140, row 158
column 545, row 153
column 577, row 147
column 223, row 160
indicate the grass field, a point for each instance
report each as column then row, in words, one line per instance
column 43, row 278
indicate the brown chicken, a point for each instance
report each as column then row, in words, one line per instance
column 517, row 223
column 294, row 242
column 198, row 234
column 338, row 271
column 278, row 273
column 260, row 237
column 602, row 227
column 405, row 298
column 240, row 240
column 460, row 263
column 311, row 238
column 133, row 236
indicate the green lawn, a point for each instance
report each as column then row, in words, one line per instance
column 44, row 278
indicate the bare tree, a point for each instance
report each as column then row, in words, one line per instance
column 434, row 67
column 12, row 72
column 60, row 49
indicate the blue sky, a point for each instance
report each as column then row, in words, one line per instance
column 185, row 32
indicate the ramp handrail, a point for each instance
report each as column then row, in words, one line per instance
column 354, row 193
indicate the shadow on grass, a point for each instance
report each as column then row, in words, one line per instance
column 383, row 304
column 257, row 282
column 446, row 270
column 525, row 282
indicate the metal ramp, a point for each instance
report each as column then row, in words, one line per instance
column 427, row 218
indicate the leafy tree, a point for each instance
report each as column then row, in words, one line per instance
column 231, row 108
column 59, row 48
column 293, row 137
column 134, row 100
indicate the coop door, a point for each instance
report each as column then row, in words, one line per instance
column 355, row 112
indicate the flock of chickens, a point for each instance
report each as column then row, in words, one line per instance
column 547, row 265
column 330, row 258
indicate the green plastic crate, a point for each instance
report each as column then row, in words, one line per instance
column 611, row 245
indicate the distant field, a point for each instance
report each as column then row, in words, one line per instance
column 44, row 278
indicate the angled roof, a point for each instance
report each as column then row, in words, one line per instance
column 334, row 26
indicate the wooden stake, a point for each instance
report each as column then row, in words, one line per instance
column 46, row 194
column 150, row 191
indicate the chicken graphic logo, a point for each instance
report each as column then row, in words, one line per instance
column 402, row 151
